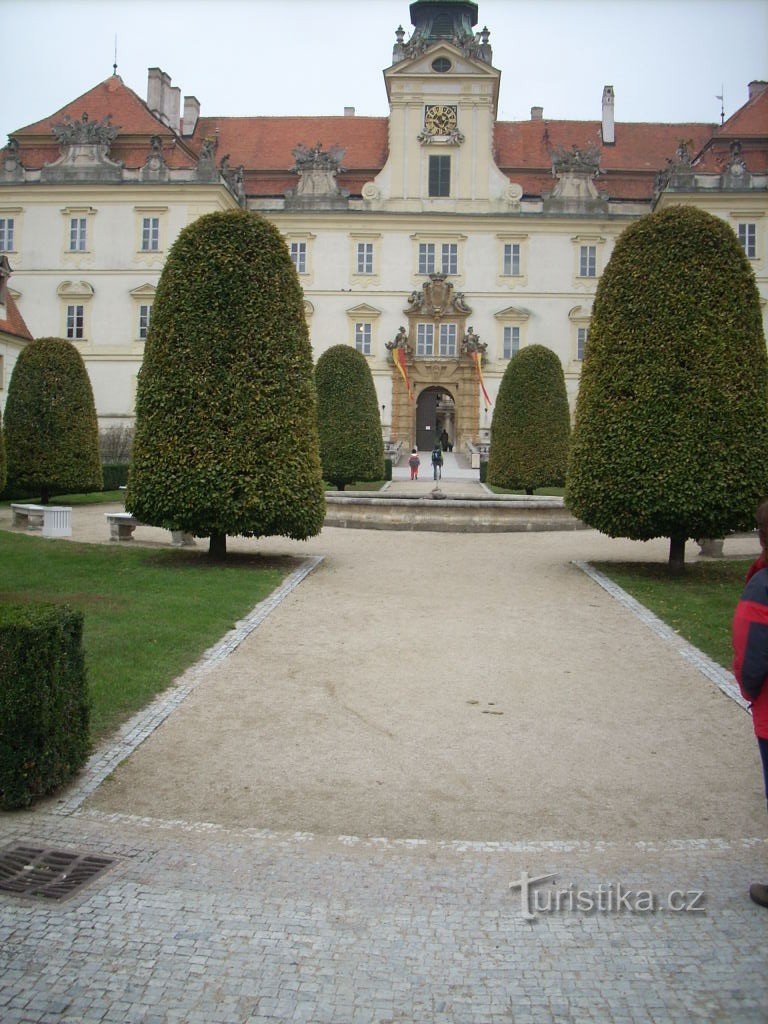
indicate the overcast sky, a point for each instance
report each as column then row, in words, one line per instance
column 667, row 59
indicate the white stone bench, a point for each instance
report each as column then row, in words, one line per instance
column 53, row 520
column 122, row 524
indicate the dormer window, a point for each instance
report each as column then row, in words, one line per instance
column 441, row 65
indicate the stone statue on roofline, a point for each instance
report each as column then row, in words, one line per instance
column 317, row 170
column 85, row 146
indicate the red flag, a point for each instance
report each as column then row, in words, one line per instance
column 478, row 359
column 400, row 362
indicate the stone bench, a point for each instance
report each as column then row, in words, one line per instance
column 122, row 524
column 52, row 520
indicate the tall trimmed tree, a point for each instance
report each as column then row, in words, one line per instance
column 51, row 430
column 226, row 429
column 531, row 423
column 351, row 445
column 671, row 420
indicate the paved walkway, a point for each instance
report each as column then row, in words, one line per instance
column 228, row 912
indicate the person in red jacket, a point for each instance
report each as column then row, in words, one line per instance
column 750, row 655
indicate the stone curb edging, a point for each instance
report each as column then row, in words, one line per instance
column 725, row 681
column 143, row 723
column 458, row 846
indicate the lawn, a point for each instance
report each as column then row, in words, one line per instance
column 96, row 498
column 361, row 485
column 558, row 491
column 148, row 614
column 699, row 604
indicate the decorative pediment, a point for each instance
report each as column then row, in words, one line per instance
column 460, row 63
column 514, row 314
column 155, row 168
column 579, row 314
column 317, row 170
column 437, row 299
column 75, row 290
column 363, row 310
column 144, row 291
column 85, row 148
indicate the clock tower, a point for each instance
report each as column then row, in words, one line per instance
column 443, row 95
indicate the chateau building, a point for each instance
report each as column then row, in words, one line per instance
column 437, row 240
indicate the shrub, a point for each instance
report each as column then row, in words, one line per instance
column 387, row 469
column 671, row 426
column 351, row 445
column 44, row 707
column 226, row 423
column 115, row 476
column 50, row 422
column 483, row 471
column 531, row 423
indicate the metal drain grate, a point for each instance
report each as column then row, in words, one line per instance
column 48, row 874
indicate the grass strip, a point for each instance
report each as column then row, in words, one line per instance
column 148, row 614
column 699, row 604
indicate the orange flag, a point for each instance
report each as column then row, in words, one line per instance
column 400, row 357
column 478, row 359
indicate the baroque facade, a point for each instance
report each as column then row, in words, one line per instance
column 437, row 240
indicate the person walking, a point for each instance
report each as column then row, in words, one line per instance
column 437, row 462
column 750, row 656
column 414, row 462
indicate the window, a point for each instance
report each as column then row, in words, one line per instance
column 299, row 256
column 747, row 237
column 588, row 261
column 511, row 341
column 363, row 338
column 77, row 234
column 582, row 334
column 365, row 257
column 426, row 258
column 447, row 339
column 75, row 321
column 439, row 176
column 6, row 234
column 425, row 339
column 511, row 261
column 145, row 314
column 150, row 234
column 450, row 258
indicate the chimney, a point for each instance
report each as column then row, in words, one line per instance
column 349, row 111
column 191, row 114
column 155, row 91
column 609, row 134
column 173, row 106
column 537, row 113
column 756, row 87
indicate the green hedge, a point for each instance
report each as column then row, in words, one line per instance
column 44, row 706
column 387, row 469
column 115, row 475
column 483, row 471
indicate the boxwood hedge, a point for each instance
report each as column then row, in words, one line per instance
column 44, row 706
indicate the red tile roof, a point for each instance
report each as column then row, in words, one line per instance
column 136, row 121
column 13, row 323
column 522, row 149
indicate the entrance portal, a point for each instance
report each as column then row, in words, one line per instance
column 435, row 413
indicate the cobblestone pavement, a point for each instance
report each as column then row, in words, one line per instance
column 205, row 924
column 212, row 926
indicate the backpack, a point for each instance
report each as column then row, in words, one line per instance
column 437, row 457
column 414, row 460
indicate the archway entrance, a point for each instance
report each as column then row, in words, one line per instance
column 435, row 413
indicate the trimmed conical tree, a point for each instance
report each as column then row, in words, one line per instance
column 671, row 420
column 351, row 445
column 51, row 430
column 531, row 423
column 226, row 429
